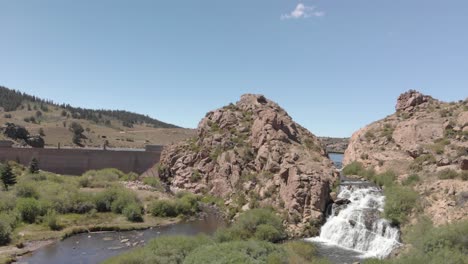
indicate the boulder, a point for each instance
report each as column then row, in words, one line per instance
column 407, row 101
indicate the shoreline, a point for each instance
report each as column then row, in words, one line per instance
column 13, row 253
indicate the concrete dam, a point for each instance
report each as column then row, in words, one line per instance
column 73, row 161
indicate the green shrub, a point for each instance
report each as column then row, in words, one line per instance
column 102, row 178
column 123, row 199
column 51, row 220
column 165, row 249
column 163, row 208
column 369, row 135
column 27, row 189
column 8, row 222
column 196, row 176
column 433, row 245
column 399, row 201
column 29, row 209
column 387, row 132
column 420, row 161
column 268, row 233
column 153, row 182
column 413, row 178
column 130, row 177
column 303, row 252
column 7, row 201
column 264, row 221
column 115, row 200
column 5, row 233
column 354, row 168
column 238, row 252
column 385, row 179
column 464, row 175
column 133, row 212
column 447, row 174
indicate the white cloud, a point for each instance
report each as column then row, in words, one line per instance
column 303, row 11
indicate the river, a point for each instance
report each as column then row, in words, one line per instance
column 343, row 238
column 92, row 248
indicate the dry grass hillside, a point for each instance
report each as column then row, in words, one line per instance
column 53, row 122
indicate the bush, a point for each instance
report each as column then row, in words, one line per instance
column 354, row 168
column 123, row 199
column 447, row 174
column 5, row 233
column 413, row 178
column 385, row 179
column 166, row 249
column 399, row 201
column 7, row 201
column 8, row 222
column 418, row 162
column 115, row 200
column 153, row 182
column 302, row 252
column 29, row 209
column 261, row 224
column 238, row 252
column 27, row 189
column 163, row 208
column 464, row 175
column 51, row 220
column 102, row 178
column 133, row 212
column 433, row 245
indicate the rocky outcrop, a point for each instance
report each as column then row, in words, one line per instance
column 335, row 145
column 424, row 136
column 253, row 154
column 409, row 100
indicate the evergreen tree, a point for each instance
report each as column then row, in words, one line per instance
column 7, row 176
column 34, row 166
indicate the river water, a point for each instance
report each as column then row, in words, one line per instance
column 354, row 229
column 92, row 248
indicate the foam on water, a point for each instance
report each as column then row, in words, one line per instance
column 358, row 225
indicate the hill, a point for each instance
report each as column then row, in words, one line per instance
column 252, row 154
column 425, row 143
column 118, row 127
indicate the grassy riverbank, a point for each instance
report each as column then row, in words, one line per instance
column 41, row 207
column 257, row 236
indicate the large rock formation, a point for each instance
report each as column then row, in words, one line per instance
column 335, row 145
column 253, row 154
column 424, row 136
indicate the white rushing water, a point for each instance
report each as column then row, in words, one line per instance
column 357, row 225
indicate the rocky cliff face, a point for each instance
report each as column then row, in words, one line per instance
column 425, row 136
column 253, row 154
column 335, row 145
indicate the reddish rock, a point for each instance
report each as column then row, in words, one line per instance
column 253, row 149
column 464, row 164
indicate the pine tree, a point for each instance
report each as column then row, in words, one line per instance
column 7, row 176
column 34, row 166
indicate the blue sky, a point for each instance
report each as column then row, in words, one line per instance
column 334, row 65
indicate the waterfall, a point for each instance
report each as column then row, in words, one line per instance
column 355, row 222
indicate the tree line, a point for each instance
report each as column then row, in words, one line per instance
column 11, row 100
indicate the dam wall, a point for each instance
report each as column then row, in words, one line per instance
column 78, row 161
